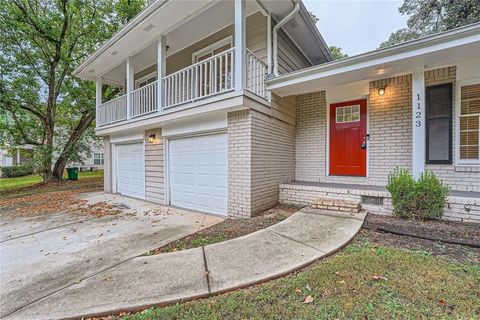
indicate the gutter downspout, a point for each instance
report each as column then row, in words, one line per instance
column 275, row 36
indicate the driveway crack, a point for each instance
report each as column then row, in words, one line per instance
column 207, row 272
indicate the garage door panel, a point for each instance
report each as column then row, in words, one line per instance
column 130, row 170
column 198, row 173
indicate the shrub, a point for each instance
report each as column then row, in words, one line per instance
column 16, row 171
column 431, row 196
column 401, row 186
column 424, row 198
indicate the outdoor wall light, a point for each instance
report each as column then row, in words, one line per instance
column 381, row 91
column 151, row 138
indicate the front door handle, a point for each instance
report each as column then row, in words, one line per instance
column 364, row 142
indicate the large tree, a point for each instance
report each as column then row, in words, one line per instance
column 432, row 16
column 41, row 102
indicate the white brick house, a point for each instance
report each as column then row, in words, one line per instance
column 199, row 125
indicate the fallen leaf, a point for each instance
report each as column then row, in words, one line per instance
column 338, row 273
column 308, row 288
column 341, row 282
column 298, row 290
column 377, row 277
column 308, row 300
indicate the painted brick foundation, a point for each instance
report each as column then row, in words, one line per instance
column 458, row 208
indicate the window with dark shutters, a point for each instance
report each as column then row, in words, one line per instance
column 439, row 124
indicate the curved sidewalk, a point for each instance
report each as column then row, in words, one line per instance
column 306, row 236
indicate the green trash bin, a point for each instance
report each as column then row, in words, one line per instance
column 72, row 173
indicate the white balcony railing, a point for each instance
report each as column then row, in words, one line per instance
column 202, row 79
column 144, row 100
column 206, row 78
column 256, row 73
column 112, row 111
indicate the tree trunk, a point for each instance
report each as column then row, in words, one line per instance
column 85, row 122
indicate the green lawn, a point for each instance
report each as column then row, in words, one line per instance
column 15, row 183
column 361, row 282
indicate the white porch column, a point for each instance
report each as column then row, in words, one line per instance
column 240, row 45
column 98, row 92
column 161, row 63
column 98, row 96
column 418, row 121
column 130, row 85
column 269, row 43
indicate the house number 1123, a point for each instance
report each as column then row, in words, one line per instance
column 418, row 114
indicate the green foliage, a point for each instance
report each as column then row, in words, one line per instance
column 16, row 171
column 433, row 16
column 41, row 42
column 401, row 186
column 424, row 198
column 128, row 9
column 337, row 53
column 431, row 196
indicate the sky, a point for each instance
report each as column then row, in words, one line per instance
column 356, row 26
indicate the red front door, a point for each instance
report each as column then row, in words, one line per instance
column 348, row 129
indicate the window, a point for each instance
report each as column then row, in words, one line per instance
column 347, row 114
column 439, row 124
column 98, row 158
column 469, row 123
column 143, row 81
column 212, row 50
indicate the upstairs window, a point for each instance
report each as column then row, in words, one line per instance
column 439, row 124
column 469, row 123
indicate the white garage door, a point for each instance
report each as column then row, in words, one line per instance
column 130, row 170
column 198, row 173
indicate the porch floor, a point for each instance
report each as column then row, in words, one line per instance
column 453, row 193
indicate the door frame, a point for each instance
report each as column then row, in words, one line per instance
column 166, row 151
column 327, row 142
column 114, row 164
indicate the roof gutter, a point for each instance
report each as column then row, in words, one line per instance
column 275, row 36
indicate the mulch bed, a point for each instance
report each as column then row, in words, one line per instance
column 229, row 229
column 447, row 235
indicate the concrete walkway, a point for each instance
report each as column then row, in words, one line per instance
column 144, row 281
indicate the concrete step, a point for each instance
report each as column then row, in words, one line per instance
column 337, row 204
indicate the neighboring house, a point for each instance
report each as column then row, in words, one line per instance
column 20, row 155
column 200, row 127
column 91, row 161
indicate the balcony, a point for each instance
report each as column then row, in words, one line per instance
column 208, row 78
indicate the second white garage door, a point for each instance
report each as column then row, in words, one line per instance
column 198, row 173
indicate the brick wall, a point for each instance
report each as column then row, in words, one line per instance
column 261, row 156
column 273, row 159
column 459, row 178
column 389, row 128
column 154, row 168
column 239, row 164
column 107, row 164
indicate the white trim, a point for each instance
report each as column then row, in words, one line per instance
column 145, row 77
column 458, row 101
column 212, row 47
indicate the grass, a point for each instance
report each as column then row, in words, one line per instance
column 361, row 282
column 8, row 184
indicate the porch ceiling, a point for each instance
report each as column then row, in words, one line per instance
column 439, row 50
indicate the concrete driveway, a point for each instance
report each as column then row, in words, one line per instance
column 41, row 255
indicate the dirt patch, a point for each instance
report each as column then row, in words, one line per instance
column 229, row 229
column 46, row 198
column 375, row 226
column 445, row 231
